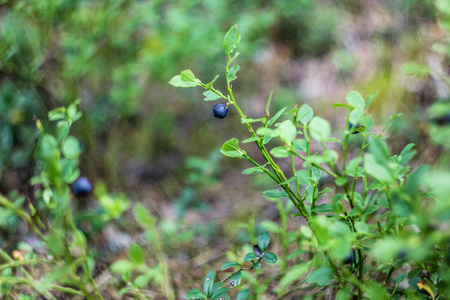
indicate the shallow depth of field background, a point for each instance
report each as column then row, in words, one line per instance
column 158, row 145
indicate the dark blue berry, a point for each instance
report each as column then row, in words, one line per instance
column 220, row 111
column 257, row 250
column 81, row 187
column 355, row 130
column 349, row 258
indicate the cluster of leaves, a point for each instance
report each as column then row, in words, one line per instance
column 216, row 290
column 379, row 216
column 68, row 263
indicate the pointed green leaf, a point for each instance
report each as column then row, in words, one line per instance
column 263, row 241
column 355, row 99
column 231, row 40
column 270, row 257
column 231, row 149
column 305, row 114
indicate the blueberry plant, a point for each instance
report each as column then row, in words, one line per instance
column 379, row 232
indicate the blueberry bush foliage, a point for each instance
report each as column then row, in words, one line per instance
column 374, row 227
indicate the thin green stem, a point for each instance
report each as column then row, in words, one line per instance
column 294, row 172
column 314, row 164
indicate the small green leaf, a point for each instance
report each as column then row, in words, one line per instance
column 355, row 99
column 293, row 274
column 320, row 129
column 232, row 72
column 252, row 139
column 250, row 256
column 270, row 257
column 208, row 283
column 275, row 117
column 355, row 115
column 71, row 147
column 231, row 149
column 195, row 294
column 280, row 152
column 263, row 241
column 231, row 40
column 305, row 114
column 274, row 194
column 235, row 279
column 299, row 145
column 323, row 208
column 229, row 264
column 220, row 293
column 136, row 254
column 252, row 170
column 412, row 68
column 371, row 209
column 211, row 96
column 143, row 217
column 320, row 276
column 178, row 82
column 288, row 131
column 242, row 295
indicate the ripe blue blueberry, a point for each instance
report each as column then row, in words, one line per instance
column 220, row 111
column 349, row 258
column 81, row 187
column 355, row 130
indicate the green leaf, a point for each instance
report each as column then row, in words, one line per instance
column 209, row 282
column 280, row 152
column 143, row 217
column 320, row 129
column 323, row 208
column 136, row 254
column 383, row 202
column 56, row 274
column 250, row 256
column 371, row 209
column 263, row 241
column 340, row 181
column 242, row 295
column 377, row 170
column 271, row 226
column 211, row 96
column 231, row 149
column 275, row 117
column 320, row 276
column 288, row 131
column 270, row 257
column 195, row 294
column 252, row 170
column 412, row 68
column 231, row 40
column 252, row 139
column 235, row 279
column 303, row 177
column 188, row 76
column 274, row 194
column 315, row 173
column 71, row 147
column 232, row 72
column 407, row 153
column 299, row 145
column 305, row 114
column 220, row 293
column 355, row 115
column 178, row 82
column 355, row 99
column 229, row 264
column 292, row 275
